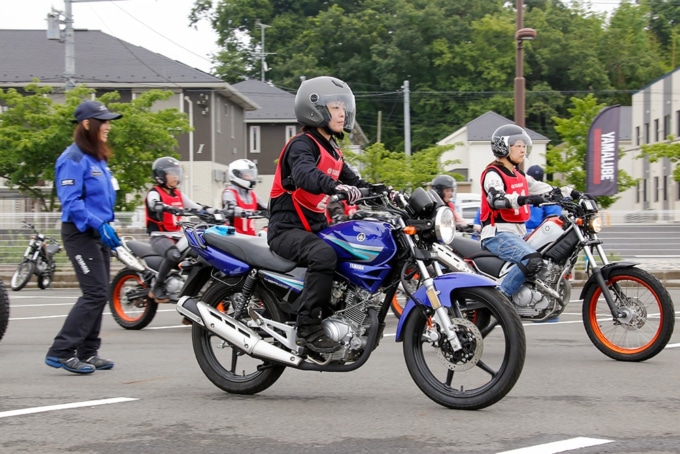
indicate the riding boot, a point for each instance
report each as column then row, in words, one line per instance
column 158, row 292
column 312, row 336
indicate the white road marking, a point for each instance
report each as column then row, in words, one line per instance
column 559, row 446
column 89, row 403
column 672, row 345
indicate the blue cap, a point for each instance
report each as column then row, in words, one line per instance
column 94, row 109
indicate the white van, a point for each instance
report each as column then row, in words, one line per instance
column 467, row 204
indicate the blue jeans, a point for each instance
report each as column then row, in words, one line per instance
column 512, row 248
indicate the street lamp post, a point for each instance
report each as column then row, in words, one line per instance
column 523, row 34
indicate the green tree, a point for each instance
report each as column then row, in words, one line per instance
column 669, row 150
column 396, row 169
column 568, row 158
column 35, row 130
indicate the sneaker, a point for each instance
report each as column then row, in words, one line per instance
column 159, row 295
column 99, row 363
column 314, row 338
column 70, row 364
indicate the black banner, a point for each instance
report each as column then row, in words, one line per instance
column 602, row 153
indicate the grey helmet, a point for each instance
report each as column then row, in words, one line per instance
column 315, row 94
column 505, row 137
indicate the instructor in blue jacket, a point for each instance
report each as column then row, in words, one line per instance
column 87, row 191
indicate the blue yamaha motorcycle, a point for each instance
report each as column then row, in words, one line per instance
column 463, row 343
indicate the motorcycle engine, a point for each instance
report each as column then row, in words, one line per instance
column 350, row 322
column 173, row 286
column 529, row 301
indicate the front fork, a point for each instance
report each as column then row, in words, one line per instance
column 600, row 274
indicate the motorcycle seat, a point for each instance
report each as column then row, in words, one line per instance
column 253, row 250
column 469, row 248
column 140, row 248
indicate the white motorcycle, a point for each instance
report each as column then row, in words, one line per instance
column 627, row 313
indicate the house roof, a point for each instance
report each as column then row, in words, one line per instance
column 276, row 105
column 101, row 60
column 481, row 128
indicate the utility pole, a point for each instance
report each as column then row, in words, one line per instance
column 54, row 32
column 263, row 62
column 407, row 118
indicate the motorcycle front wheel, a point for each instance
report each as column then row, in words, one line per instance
column 45, row 278
column 4, row 309
column 487, row 367
column 22, row 275
column 226, row 366
column 129, row 302
column 649, row 316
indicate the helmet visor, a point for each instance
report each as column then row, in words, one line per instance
column 246, row 174
column 343, row 101
column 176, row 171
column 519, row 140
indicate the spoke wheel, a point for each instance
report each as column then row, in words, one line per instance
column 487, row 367
column 22, row 275
column 131, row 312
column 649, row 316
column 226, row 366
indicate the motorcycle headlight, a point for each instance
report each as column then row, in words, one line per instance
column 595, row 224
column 444, row 225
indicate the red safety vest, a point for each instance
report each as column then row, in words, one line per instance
column 244, row 225
column 169, row 220
column 514, row 184
column 301, row 198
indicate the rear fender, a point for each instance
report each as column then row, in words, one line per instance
column 605, row 270
column 444, row 285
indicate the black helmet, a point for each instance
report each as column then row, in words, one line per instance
column 505, row 137
column 442, row 182
column 315, row 94
column 536, row 172
column 163, row 166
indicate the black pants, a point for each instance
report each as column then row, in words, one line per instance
column 91, row 261
column 307, row 249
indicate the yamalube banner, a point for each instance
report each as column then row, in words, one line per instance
column 602, row 153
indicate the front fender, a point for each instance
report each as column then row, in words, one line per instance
column 605, row 270
column 444, row 285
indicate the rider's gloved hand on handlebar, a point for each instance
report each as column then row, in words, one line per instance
column 109, row 236
column 534, row 200
column 353, row 193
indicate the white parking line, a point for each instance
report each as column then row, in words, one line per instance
column 89, row 403
column 559, row 446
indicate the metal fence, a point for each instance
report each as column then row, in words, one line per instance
column 14, row 236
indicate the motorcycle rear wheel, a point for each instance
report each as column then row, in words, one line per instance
column 4, row 309
column 226, row 366
column 650, row 322
column 494, row 366
column 22, row 275
column 130, row 314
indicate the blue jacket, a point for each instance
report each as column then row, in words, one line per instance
column 85, row 188
column 540, row 213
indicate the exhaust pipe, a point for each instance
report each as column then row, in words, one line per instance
column 233, row 331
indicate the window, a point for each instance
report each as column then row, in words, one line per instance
column 637, row 135
column 677, row 125
column 665, row 188
column 656, row 130
column 290, row 132
column 646, row 132
column 638, row 188
column 254, row 136
column 656, row 189
column 644, row 190
column 666, row 126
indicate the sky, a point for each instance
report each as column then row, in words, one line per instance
column 161, row 26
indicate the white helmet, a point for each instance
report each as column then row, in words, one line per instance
column 243, row 172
